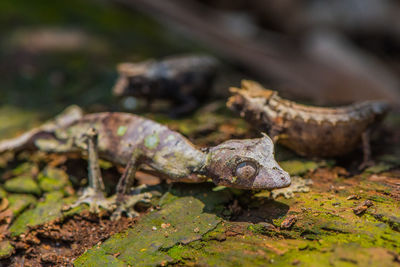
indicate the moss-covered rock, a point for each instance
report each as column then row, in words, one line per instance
column 25, row 169
column 378, row 168
column 48, row 210
column 298, row 167
column 52, row 179
column 6, row 249
column 19, row 202
column 182, row 220
column 3, row 193
column 22, row 184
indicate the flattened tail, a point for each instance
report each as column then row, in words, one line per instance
column 70, row 115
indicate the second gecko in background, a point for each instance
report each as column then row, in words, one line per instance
column 307, row 130
column 184, row 80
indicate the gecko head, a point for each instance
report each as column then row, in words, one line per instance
column 246, row 164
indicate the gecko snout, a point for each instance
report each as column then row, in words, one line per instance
column 285, row 180
column 271, row 178
column 281, row 178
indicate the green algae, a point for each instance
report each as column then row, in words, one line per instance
column 19, row 202
column 320, row 237
column 259, row 228
column 22, row 184
column 350, row 254
column 6, row 249
column 26, row 169
column 378, row 168
column 145, row 244
column 48, row 210
column 241, row 250
column 53, row 179
column 298, row 167
column 48, row 184
column 3, row 193
column 333, row 223
column 183, row 218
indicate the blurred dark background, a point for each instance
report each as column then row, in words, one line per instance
column 57, row 53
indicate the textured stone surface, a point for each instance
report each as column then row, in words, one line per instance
column 181, row 220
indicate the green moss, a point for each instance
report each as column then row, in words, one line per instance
column 381, row 167
column 377, row 198
column 52, row 179
column 75, row 210
column 6, row 249
column 235, row 251
column 181, row 220
column 102, row 259
column 48, row 210
column 3, row 193
column 48, row 184
column 390, row 219
column 19, row 202
column 176, row 252
column 22, row 184
column 217, row 234
column 25, row 169
column 350, row 254
column 298, row 167
column 258, row 228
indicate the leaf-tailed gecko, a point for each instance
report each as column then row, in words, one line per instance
column 135, row 142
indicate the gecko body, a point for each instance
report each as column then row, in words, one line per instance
column 308, row 130
column 185, row 80
column 136, row 142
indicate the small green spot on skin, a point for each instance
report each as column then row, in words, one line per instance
column 170, row 137
column 121, row 130
column 151, row 141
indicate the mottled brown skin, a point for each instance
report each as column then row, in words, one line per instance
column 137, row 142
column 185, row 80
column 309, row 131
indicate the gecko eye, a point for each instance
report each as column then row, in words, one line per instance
column 246, row 170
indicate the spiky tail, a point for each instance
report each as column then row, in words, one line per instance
column 68, row 116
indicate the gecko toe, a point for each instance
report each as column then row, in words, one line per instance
column 95, row 200
column 298, row 185
column 127, row 205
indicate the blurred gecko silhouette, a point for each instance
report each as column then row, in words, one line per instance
column 185, row 80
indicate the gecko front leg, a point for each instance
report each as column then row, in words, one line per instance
column 125, row 197
column 94, row 194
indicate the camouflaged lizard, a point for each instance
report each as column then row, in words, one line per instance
column 185, row 79
column 137, row 142
column 308, row 130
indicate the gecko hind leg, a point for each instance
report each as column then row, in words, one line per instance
column 128, row 204
column 126, row 199
column 94, row 194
